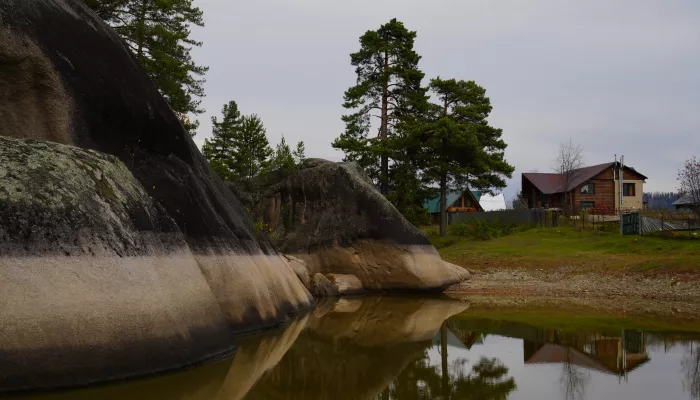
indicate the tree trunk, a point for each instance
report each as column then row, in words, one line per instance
column 141, row 34
column 445, row 371
column 443, row 191
column 384, row 130
column 443, row 205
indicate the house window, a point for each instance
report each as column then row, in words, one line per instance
column 588, row 188
column 628, row 189
column 587, row 204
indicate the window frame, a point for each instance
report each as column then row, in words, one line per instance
column 589, row 185
column 626, row 185
column 591, row 202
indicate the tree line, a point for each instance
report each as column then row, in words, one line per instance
column 430, row 138
column 239, row 149
column 433, row 137
column 158, row 34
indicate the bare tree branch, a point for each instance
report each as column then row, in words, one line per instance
column 689, row 181
column 568, row 162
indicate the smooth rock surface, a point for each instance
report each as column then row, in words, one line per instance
column 132, row 272
column 332, row 217
column 96, row 281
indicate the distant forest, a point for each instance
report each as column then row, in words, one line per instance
column 660, row 200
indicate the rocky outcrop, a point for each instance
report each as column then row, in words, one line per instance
column 332, row 217
column 121, row 252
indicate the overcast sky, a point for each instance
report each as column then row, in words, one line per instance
column 616, row 76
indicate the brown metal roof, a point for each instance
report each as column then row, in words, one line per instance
column 554, row 182
column 546, row 183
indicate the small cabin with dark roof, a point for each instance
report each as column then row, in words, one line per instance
column 458, row 201
column 685, row 202
column 595, row 187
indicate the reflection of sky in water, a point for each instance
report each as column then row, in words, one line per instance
column 660, row 378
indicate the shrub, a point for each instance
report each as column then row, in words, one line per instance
column 481, row 229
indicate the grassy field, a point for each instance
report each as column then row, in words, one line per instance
column 583, row 250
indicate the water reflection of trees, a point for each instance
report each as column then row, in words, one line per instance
column 573, row 378
column 690, row 365
column 488, row 379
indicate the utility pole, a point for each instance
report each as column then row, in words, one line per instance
column 622, row 186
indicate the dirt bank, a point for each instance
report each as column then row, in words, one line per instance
column 566, row 282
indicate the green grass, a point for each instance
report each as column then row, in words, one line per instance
column 572, row 319
column 568, row 247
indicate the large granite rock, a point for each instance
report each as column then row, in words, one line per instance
column 127, row 257
column 331, row 216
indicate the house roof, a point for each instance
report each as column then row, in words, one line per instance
column 684, row 200
column 555, row 354
column 433, row 205
column 550, row 183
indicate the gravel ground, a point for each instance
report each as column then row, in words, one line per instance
column 569, row 283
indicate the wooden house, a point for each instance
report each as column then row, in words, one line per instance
column 458, row 201
column 685, row 202
column 595, row 187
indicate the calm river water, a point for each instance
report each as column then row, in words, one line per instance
column 419, row 348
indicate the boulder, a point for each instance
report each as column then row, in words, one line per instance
column 116, row 237
column 332, row 217
column 346, row 284
column 299, row 267
column 92, row 269
column 323, row 287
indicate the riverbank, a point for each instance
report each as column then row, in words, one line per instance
column 570, row 282
column 568, row 262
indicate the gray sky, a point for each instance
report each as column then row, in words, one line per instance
column 616, row 76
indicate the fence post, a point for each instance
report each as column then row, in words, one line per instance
column 662, row 222
column 639, row 221
column 594, row 222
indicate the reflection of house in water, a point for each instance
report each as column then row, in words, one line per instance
column 460, row 338
column 609, row 354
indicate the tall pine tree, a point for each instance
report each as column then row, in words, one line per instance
column 158, row 33
column 299, row 153
column 219, row 149
column 389, row 88
column 238, row 148
column 460, row 147
column 251, row 149
column 283, row 158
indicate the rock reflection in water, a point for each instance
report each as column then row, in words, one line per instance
column 418, row 348
column 228, row 379
column 346, row 348
column 357, row 349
